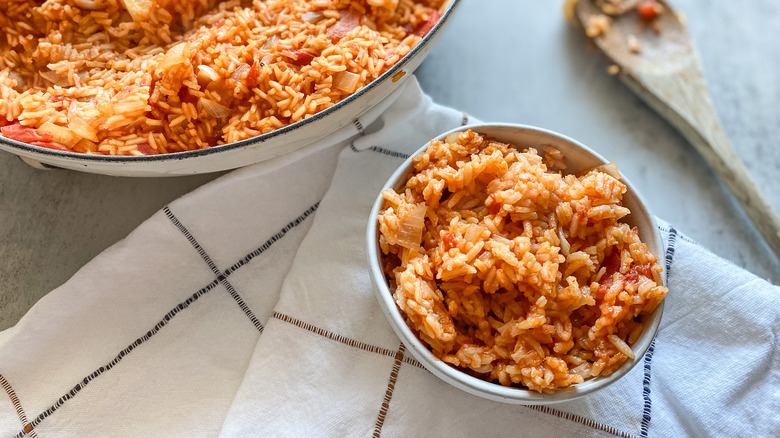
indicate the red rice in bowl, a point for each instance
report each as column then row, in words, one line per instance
column 139, row 77
column 514, row 272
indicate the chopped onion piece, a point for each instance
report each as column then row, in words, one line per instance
column 207, row 73
column 54, row 78
column 410, row 227
column 239, row 72
column 369, row 23
column 18, row 78
column 610, row 169
column 214, row 109
column 138, row 9
column 59, row 134
column 266, row 60
column 387, row 4
column 83, row 129
column 452, row 138
column 312, row 17
column 347, row 21
column 565, row 246
column 621, row 346
column 178, row 54
column 270, row 42
column 90, row 5
column 346, row 81
column 84, row 119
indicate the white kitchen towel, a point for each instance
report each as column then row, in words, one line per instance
column 245, row 309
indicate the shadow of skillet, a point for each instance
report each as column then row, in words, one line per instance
column 69, row 219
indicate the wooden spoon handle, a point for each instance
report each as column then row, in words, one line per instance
column 715, row 147
column 685, row 103
column 668, row 76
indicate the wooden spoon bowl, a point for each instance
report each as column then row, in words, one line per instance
column 665, row 72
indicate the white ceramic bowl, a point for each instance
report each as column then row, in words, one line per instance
column 577, row 158
column 252, row 150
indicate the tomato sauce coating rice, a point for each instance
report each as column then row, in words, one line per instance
column 513, row 272
column 142, row 77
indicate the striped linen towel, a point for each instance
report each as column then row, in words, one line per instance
column 245, row 309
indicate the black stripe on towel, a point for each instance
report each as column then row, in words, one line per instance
column 647, row 409
column 411, row 361
column 222, row 279
column 9, row 390
column 380, row 419
column 383, row 151
column 343, row 339
column 118, row 358
column 679, row 236
column 359, row 126
column 168, row 316
column 670, row 250
column 268, row 243
column 581, row 420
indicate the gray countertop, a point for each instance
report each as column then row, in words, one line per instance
column 500, row 60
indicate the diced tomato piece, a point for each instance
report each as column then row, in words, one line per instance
column 450, row 240
column 26, row 134
column 146, row 149
column 221, row 22
column 424, row 27
column 612, row 263
column 50, row 145
column 494, row 206
column 633, row 274
column 648, row 10
column 151, row 89
column 251, row 75
column 299, row 57
column 185, row 96
column 4, row 122
column 347, row 21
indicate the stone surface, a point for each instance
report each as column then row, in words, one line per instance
column 502, row 60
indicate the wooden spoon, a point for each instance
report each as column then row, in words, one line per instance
column 667, row 75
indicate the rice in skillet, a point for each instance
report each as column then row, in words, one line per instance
column 515, row 273
column 132, row 77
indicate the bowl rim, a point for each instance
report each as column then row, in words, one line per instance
column 173, row 156
column 459, row 379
